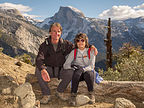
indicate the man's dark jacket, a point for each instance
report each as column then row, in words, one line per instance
column 47, row 56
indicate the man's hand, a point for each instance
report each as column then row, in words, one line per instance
column 45, row 75
column 93, row 48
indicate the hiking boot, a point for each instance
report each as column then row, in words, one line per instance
column 72, row 101
column 92, row 98
column 61, row 96
column 45, row 99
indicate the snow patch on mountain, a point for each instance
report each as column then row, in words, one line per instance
column 31, row 20
column 76, row 10
column 45, row 22
column 140, row 25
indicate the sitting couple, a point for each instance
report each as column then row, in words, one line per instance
column 51, row 62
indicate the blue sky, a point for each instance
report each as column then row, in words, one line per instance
column 41, row 9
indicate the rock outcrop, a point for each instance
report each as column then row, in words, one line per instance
column 18, row 35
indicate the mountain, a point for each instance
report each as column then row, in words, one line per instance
column 18, row 35
column 74, row 21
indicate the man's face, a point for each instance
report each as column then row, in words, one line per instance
column 55, row 34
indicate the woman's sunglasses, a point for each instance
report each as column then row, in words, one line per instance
column 78, row 40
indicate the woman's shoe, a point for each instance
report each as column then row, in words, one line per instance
column 72, row 101
column 92, row 98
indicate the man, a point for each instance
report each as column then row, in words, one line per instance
column 50, row 60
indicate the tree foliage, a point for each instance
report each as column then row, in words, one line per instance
column 25, row 58
column 1, row 49
column 0, row 33
column 130, row 65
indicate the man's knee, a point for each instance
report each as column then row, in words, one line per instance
column 37, row 71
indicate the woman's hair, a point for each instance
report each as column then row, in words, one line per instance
column 81, row 36
column 55, row 24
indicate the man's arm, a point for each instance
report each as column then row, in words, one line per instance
column 40, row 58
column 40, row 63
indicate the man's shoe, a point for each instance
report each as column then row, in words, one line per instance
column 72, row 101
column 92, row 98
column 61, row 96
column 45, row 99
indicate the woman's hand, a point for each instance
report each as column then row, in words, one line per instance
column 45, row 75
column 93, row 48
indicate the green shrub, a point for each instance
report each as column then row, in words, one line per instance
column 130, row 65
column 25, row 58
column 0, row 33
column 1, row 49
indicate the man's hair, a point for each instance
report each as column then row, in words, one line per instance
column 81, row 36
column 55, row 24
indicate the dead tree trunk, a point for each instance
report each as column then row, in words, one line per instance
column 108, row 43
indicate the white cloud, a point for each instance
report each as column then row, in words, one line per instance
column 139, row 6
column 19, row 7
column 123, row 12
column 23, row 9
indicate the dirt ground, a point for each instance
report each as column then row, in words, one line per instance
column 57, row 103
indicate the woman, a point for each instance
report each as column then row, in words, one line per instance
column 83, row 64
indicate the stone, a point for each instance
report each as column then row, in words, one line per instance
column 18, row 63
column 31, row 78
column 82, row 99
column 123, row 103
column 6, row 91
column 26, row 95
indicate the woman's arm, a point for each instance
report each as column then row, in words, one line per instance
column 68, row 62
column 91, row 64
column 93, row 48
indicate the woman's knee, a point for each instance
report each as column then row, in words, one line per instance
column 67, row 73
column 89, row 74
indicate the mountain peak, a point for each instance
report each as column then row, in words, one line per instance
column 75, row 11
column 65, row 15
column 10, row 11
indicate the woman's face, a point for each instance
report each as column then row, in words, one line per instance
column 81, row 43
column 55, row 34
